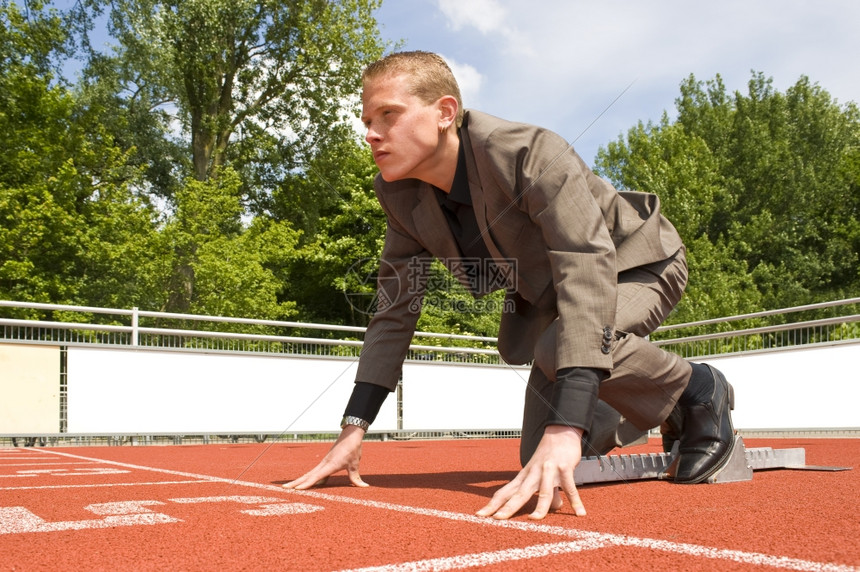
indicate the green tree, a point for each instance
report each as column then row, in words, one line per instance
column 751, row 182
column 228, row 263
column 266, row 88
column 246, row 68
column 345, row 229
column 72, row 229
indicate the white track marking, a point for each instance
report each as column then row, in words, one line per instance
column 102, row 485
column 269, row 506
column 588, row 538
column 85, row 472
column 540, row 550
column 42, row 464
column 231, row 498
column 17, row 519
column 488, row 558
column 283, row 508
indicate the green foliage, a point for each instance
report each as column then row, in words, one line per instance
column 34, row 40
column 762, row 187
column 206, row 164
column 261, row 68
column 72, row 229
column 328, row 274
column 212, row 89
column 213, row 264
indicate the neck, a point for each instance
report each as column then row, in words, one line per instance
column 442, row 175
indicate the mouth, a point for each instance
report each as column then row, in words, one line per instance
column 379, row 155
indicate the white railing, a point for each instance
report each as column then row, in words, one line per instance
column 767, row 330
column 77, row 332
column 118, row 366
column 772, row 330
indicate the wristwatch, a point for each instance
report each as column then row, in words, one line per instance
column 353, row 420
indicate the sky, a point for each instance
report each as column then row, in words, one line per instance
column 591, row 70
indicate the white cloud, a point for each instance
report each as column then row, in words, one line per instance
column 485, row 15
column 489, row 17
column 470, row 81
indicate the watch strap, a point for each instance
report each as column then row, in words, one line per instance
column 353, row 420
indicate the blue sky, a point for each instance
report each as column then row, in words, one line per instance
column 561, row 63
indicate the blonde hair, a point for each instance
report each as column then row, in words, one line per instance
column 430, row 77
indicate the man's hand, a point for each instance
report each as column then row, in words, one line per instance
column 551, row 466
column 344, row 454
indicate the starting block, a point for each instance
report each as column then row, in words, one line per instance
column 739, row 467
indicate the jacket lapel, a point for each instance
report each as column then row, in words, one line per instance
column 431, row 225
column 479, row 204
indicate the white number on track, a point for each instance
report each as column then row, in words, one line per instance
column 18, row 519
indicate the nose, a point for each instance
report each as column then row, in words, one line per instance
column 372, row 135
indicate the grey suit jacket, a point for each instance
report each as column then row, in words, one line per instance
column 560, row 233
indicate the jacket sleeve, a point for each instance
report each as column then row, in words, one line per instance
column 401, row 284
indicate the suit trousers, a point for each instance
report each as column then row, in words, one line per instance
column 645, row 381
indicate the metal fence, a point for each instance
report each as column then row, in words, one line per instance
column 87, row 326
column 773, row 330
column 36, row 323
column 827, row 323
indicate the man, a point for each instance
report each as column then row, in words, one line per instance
column 594, row 271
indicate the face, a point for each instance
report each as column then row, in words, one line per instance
column 402, row 130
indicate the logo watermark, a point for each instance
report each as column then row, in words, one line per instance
column 479, row 275
column 446, row 285
column 361, row 281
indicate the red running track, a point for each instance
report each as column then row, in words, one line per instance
column 220, row 507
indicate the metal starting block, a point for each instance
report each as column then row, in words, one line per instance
column 739, row 467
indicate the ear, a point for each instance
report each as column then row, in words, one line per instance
column 448, row 109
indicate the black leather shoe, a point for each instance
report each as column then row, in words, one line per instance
column 707, row 437
column 670, row 429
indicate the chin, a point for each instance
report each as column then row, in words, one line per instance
column 390, row 177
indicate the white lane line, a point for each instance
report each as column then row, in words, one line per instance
column 540, row 550
column 43, row 464
column 735, row 555
column 595, row 537
column 92, row 486
column 268, row 506
column 488, row 558
column 30, row 457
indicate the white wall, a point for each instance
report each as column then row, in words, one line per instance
column 128, row 391
column 145, row 391
column 449, row 396
column 29, row 389
column 811, row 388
column 802, row 389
